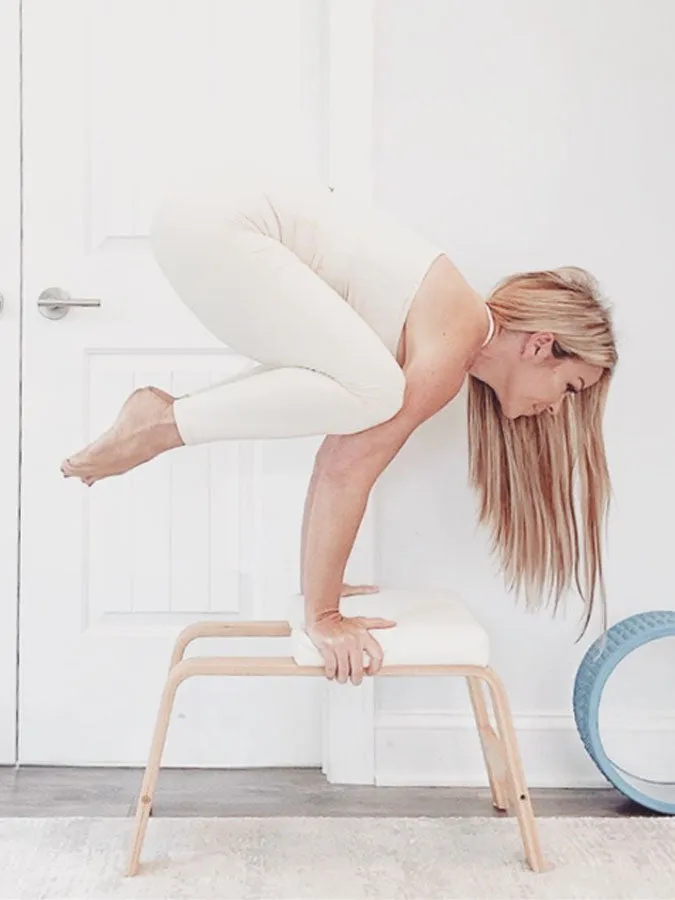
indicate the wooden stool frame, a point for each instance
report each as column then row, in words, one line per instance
column 500, row 746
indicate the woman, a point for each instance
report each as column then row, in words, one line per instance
column 363, row 330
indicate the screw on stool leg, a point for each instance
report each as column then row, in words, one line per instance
column 520, row 796
column 493, row 750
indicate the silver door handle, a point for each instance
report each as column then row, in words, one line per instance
column 54, row 303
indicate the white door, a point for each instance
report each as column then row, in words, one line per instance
column 10, row 197
column 115, row 95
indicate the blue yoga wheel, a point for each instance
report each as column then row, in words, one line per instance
column 600, row 660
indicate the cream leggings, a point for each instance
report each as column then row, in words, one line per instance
column 324, row 370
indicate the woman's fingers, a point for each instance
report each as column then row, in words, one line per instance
column 343, row 666
column 356, row 663
column 374, row 651
column 343, row 644
column 377, row 623
column 330, row 660
column 347, row 662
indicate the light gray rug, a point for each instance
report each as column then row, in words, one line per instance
column 416, row 859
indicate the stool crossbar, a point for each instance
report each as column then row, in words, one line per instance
column 499, row 745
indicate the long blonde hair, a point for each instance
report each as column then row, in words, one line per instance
column 528, row 470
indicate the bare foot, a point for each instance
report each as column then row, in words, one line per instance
column 143, row 429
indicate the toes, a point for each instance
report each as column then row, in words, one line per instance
column 158, row 392
column 70, row 470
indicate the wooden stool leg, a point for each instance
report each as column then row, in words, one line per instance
column 152, row 770
column 515, row 776
column 184, row 638
column 493, row 751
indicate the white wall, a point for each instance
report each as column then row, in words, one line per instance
column 528, row 134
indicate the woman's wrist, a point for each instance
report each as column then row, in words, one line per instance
column 314, row 615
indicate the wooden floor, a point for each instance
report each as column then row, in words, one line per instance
column 47, row 791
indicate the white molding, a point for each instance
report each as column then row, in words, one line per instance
column 350, row 95
column 433, row 748
column 450, row 720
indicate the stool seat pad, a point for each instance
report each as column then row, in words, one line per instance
column 433, row 627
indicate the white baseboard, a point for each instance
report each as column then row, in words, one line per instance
column 439, row 748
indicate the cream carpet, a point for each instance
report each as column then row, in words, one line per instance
column 416, row 859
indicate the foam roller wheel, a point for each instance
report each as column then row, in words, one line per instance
column 600, row 660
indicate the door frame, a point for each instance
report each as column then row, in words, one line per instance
column 10, row 361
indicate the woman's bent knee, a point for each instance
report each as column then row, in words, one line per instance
column 393, row 396
column 384, row 402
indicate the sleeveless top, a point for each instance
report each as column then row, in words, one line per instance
column 374, row 262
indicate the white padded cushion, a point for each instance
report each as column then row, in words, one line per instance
column 434, row 627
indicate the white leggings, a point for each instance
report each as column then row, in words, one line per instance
column 325, row 370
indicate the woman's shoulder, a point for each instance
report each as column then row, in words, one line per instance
column 447, row 318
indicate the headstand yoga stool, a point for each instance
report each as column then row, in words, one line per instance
column 435, row 635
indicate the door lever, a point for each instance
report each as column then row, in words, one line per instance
column 55, row 303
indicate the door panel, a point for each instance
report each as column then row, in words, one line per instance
column 116, row 96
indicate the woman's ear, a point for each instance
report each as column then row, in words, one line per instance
column 539, row 344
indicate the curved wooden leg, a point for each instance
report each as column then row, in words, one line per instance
column 185, row 638
column 493, row 751
column 149, row 784
column 520, row 796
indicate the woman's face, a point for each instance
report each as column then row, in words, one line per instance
column 537, row 381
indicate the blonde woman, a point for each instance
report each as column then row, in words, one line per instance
column 363, row 330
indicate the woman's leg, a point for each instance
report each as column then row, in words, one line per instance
column 325, row 370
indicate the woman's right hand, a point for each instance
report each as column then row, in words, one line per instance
column 343, row 641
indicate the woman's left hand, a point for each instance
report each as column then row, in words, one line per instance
column 350, row 590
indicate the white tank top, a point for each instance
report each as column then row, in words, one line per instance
column 372, row 261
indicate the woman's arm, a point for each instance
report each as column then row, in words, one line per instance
column 309, row 505
column 333, row 514
column 345, row 471
column 445, row 328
